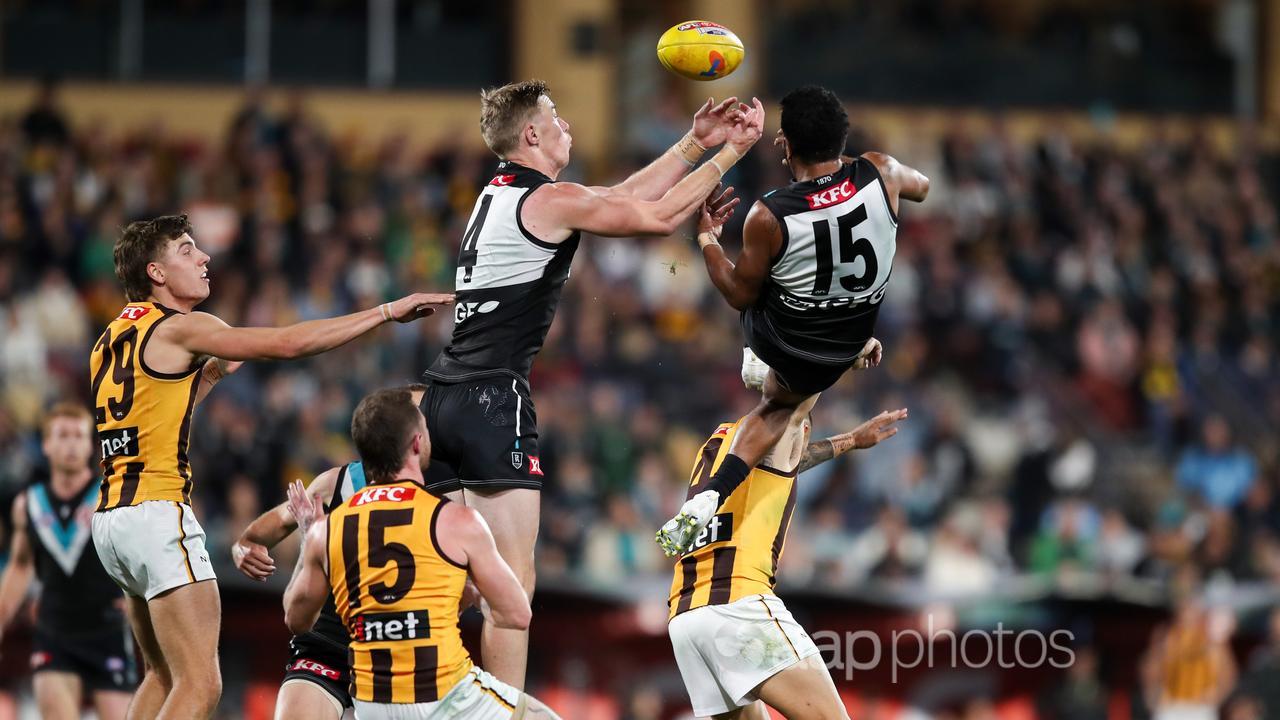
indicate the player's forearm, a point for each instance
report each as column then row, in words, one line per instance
column 820, row 451
column 13, row 590
column 301, row 610
column 655, row 179
column 303, row 599
column 213, row 371
column 316, row 336
column 721, row 271
column 270, row 528
column 688, row 194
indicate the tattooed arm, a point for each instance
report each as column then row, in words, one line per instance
column 866, row 435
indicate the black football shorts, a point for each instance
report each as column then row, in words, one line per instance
column 484, row 436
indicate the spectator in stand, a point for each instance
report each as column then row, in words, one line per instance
column 1217, row 470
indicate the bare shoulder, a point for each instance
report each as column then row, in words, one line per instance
column 885, row 163
column 458, row 520
column 762, row 224
column 184, row 325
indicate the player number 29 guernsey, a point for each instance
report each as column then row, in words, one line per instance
column 736, row 555
column 397, row 594
column 143, row 416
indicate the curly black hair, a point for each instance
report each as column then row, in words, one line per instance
column 815, row 124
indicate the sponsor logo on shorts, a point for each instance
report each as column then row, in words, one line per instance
column 382, row 494
column 133, row 312
column 115, row 664
column 372, row 627
column 316, row 668
column 517, row 460
column 535, row 465
column 720, row 529
column 831, row 196
column 119, row 442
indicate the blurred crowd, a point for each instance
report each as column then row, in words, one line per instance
column 1085, row 336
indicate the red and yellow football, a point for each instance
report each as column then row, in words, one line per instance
column 700, row 50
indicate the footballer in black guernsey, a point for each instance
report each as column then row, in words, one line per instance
column 513, row 261
column 815, row 262
column 508, row 284
column 83, row 647
column 823, row 292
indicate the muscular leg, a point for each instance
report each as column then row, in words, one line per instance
column 754, row 711
column 58, row 694
column 303, row 699
column 512, row 516
column 804, row 691
column 156, row 680
column 111, row 704
column 186, row 621
column 761, row 428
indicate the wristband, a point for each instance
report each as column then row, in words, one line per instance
column 688, row 149
column 705, row 239
column 725, row 159
column 385, row 310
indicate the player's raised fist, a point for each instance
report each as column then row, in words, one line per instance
column 417, row 305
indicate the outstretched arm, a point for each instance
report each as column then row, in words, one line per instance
column 555, row 211
column 251, row 552
column 868, row 434
column 304, row 598
column 203, row 334
column 710, row 126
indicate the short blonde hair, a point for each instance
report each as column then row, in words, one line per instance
column 505, row 110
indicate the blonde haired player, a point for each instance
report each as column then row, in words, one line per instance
column 396, row 560
column 735, row 642
column 512, row 265
column 149, row 369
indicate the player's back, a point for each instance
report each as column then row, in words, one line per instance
column 143, row 417
column 839, row 235
column 737, row 554
column 507, row 286
column 397, row 594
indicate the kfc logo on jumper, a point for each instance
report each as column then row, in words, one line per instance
column 133, row 312
column 316, row 668
column 383, row 494
column 502, row 180
column 831, row 196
